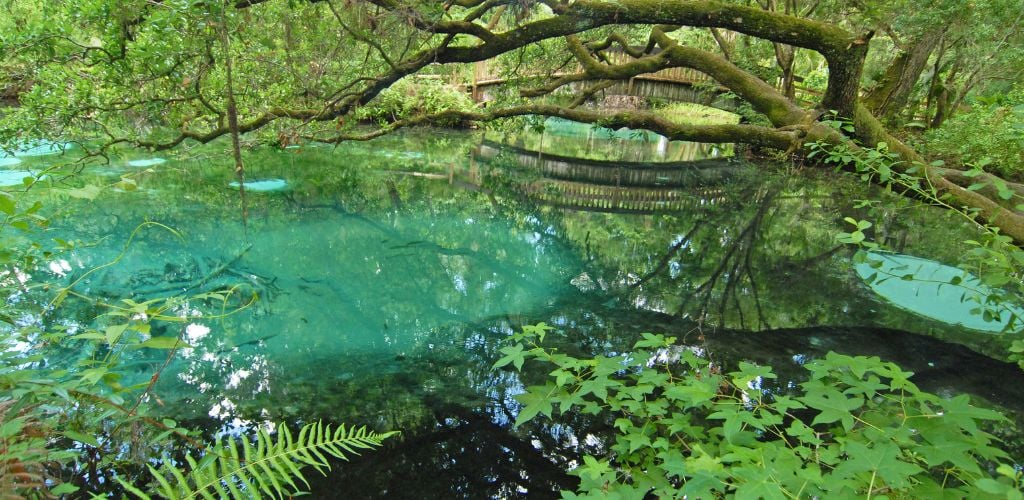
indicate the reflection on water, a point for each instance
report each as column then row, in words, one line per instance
column 379, row 286
column 579, row 140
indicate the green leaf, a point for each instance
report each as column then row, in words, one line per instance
column 536, row 401
column 833, row 406
column 82, row 438
column 89, row 335
column 113, row 333
column 164, row 343
column 87, row 192
column 264, row 469
column 7, row 203
column 513, row 354
column 63, row 489
column 694, row 393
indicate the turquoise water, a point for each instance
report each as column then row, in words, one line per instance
column 379, row 285
column 934, row 290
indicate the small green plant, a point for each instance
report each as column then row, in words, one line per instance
column 685, row 429
column 409, row 98
column 269, row 467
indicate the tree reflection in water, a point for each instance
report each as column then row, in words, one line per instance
column 381, row 318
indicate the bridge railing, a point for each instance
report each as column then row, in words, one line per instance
column 484, row 73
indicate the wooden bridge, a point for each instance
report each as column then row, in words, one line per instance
column 676, row 84
column 678, row 174
column 614, row 187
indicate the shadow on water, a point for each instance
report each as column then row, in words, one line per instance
column 464, row 455
column 469, row 451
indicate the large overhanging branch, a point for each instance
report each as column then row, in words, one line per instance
column 843, row 51
column 747, row 134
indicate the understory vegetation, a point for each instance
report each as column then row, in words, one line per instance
column 684, row 428
column 992, row 131
column 409, row 98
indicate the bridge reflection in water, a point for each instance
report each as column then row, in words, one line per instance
column 612, row 186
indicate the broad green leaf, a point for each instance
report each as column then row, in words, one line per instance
column 82, row 438
column 513, row 354
column 7, row 203
column 87, row 192
column 536, row 401
column 113, row 333
column 833, row 406
column 164, row 343
column 63, row 489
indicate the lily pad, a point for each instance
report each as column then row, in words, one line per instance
column 147, row 162
column 927, row 288
column 14, row 177
column 263, row 185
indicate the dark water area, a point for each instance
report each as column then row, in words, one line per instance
column 375, row 283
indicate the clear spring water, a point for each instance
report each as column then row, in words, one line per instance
column 388, row 273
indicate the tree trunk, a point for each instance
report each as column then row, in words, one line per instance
column 785, row 55
column 944, row 98
column 888, row 98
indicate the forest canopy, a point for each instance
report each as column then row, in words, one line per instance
column 156, row 74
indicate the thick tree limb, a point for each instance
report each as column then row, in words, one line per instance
column 747, row 134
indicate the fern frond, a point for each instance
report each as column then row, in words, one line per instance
column 268, row 467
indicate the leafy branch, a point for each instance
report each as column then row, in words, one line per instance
column 269, row 467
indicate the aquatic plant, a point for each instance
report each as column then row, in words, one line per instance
column 685, row 429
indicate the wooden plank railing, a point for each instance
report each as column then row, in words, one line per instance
column 484, row 74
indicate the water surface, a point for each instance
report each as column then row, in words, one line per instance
column 378, row 286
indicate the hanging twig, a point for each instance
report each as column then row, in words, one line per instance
column 236, row 147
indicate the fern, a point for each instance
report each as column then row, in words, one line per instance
column 23, row 452
column 267, row 468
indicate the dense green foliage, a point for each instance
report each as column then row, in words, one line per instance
column 856, row 427
column 992, row 131
column 408, row 98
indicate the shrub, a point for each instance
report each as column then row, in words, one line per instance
column 993, row 129
column 412, row 97
column 857, row 427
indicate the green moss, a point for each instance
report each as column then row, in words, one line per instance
column 695, row 114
